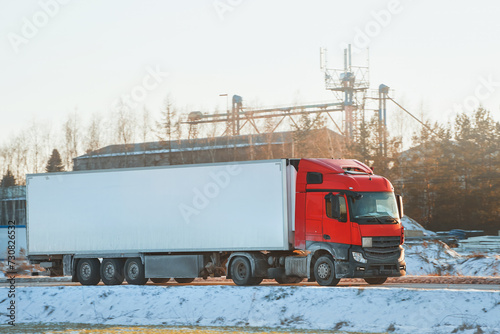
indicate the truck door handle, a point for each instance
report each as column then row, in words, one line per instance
column 326, row 237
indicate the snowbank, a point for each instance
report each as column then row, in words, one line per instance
column 436, row 258
column 338, row 308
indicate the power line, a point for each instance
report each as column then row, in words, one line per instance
column 414, row 117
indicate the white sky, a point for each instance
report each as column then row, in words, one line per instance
column 433, row 53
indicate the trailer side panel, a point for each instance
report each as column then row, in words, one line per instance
column 215, row 207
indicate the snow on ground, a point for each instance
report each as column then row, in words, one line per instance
column 436, row 258
column 339, row 308
column 412, row 225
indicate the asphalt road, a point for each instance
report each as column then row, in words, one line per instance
column 45, row 281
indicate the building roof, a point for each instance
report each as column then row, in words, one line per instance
column 200, row 144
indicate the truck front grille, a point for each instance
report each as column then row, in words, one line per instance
column 385, row 242
column 384, row 248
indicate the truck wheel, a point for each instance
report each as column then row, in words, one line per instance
column 256, row 280
column 377, row 280
column 112, row 271
column 289, row 280
column 184, row 280
column 88, row 271
column 241, row 271
column 324, row 271
column 160, row 280
column 134, row 272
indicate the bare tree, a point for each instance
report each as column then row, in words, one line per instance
column 35, row 144
column 125, row 124
column 94, row 134
column 212, row 131
column 72, row 139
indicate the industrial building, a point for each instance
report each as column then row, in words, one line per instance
column 319, row 143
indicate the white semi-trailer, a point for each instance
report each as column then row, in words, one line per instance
column 235, row 219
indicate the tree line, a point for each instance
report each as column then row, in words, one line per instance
column 450, row 177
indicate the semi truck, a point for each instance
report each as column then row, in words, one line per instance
column 286, row 219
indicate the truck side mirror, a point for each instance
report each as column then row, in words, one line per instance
column 399, row 201
column 334, row 203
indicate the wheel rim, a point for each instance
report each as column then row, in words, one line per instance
column 324, row 271
column 86, row 271
column 109, row 271
column 133, row 271
column 241, row 271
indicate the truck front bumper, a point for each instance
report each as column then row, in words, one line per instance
column 392, row 265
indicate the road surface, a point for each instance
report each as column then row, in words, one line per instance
column 425, row 283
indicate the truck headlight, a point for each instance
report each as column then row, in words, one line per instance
column 402, row 255
column 358, row 257
column 367, row 242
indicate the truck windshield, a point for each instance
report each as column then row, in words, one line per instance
column 375, row 208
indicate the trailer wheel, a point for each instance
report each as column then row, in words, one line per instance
column 376, row 280
column 324, row 271
column 289, row 280
column 112, row 271
column 241, row 271
column 134, row 272
column 160, row 280
column 88, row 271
column 184, row 280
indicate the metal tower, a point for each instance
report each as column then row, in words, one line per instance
column 349, row 86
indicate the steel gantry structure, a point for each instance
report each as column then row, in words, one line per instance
column 239, row 117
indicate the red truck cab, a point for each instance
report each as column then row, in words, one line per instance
column 345, row 212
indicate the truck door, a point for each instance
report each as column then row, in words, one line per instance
column 314, row 216
column 336, row 230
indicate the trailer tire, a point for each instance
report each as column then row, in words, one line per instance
column 112, row 271
column 184, row 280
column 324, row 271
column 376, row 280
column 134, row 271
column 241, row 271
column 160, row 280
column 88, row 271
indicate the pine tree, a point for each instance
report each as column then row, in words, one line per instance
column 8, row 180
column 55, row 163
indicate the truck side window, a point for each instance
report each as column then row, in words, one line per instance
column 314, row 178
column 343, row 208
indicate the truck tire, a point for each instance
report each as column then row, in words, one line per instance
column 256, row 280
column 289, row 280
column 134, row 272
column 376, row 280
column 324, row 271
column 160, row 280
column 87, row 271
column 241, row 271
column 112, row 271
column 184, row 280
